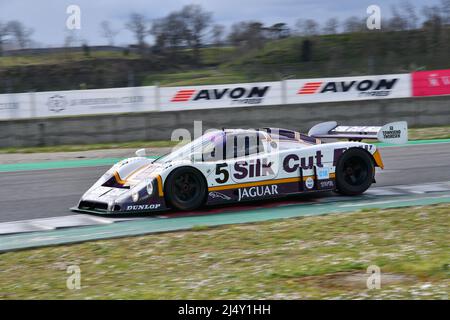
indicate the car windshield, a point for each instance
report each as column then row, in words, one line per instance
column 210, row 147
column 204, row 145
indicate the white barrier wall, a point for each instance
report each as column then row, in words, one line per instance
column 151, row 98
column 220, row 96
column 77, row 102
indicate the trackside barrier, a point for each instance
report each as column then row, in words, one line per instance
column 431, row 83
column 153, row 98
column 77, row 102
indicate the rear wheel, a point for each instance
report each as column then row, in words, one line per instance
column 185, row 189
column 355, row 172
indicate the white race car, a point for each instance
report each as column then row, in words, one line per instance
column 235, row 165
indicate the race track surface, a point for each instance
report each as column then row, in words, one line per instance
column 50, row 193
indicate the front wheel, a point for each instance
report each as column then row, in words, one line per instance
column 355, row 172
column 185, row 189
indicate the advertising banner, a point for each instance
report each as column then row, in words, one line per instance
column 431, row 83
column 349, row 88
column 100, row 101
column 220, row 96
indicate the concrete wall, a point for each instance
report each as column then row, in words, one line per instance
column 430, row 111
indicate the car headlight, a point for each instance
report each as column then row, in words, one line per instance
column 150, row 187
column 135, row 196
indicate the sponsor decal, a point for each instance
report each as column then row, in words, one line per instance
column 431, row 83
column 292, row 162
column 143, row 207
column 215, row 195
column 246, row 95
column 252, row 168
column 183, row 95
column 57, row 103
column 258, row 191
column 365, row 87
column 391, row 133
column 9, row 105
column 310, row 88
column 326, row 184
column 323, row 173
column 309, row 183
column 355, row 129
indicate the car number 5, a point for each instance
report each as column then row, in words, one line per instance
column 221, row 170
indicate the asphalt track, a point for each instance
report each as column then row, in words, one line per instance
column 49, row 193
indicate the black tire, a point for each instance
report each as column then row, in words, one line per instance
column 355, row 172
column 185, row 189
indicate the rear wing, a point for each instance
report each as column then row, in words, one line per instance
column 394, row 132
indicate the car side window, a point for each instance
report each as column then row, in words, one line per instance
column 243, row 144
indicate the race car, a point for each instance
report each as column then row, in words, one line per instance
column 236, row 165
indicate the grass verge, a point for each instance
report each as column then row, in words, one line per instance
column 429, row 133
column 318, row 257
column 87, row 147
column 414, row 134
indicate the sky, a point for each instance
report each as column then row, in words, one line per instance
column 48, row 17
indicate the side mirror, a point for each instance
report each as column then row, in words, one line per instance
column 140, row 153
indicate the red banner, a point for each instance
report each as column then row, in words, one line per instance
column 431, row 83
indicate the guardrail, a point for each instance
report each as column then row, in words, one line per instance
column 153, row 98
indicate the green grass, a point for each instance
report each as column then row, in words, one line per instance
column 414, row 134
column 96, row 146
column 429, row 133
column 194, row 77
column 216, row 55
column 56, row 58
column 318, row 257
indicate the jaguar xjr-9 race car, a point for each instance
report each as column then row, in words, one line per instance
column 235, row 165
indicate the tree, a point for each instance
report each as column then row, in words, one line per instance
column 247, row 34
column 169, row 32
column 196, row 22
column 278, row 31
column 4, row 33
column 398, row 22
column 184, row 27
column 70, row 39
column 433, row 27
column 331, row 26
column 403, row 17
column 307, row 27
column 20, row 33
column 354, row 24
column 306, row 50
column 86, row 50
column 138, row 25
column 445, row 9
column 108, row 32
column 217, row 33
column 410, row 14
column 433, row 18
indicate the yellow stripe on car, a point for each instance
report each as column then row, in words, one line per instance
column 158, row 178
column 262, row 183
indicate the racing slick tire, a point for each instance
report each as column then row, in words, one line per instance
column 185, row 189
column 355, row 172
